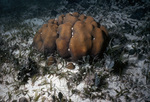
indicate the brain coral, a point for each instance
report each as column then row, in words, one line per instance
column 72, row 36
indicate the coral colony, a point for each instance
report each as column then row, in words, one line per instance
column 73, row 36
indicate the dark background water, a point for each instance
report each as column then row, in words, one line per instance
column 36, row 8
column 13, row 5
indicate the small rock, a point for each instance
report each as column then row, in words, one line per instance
column 51, row 60
column 23, row 99
column 70, row 66
column 60, row 95
column 132, row 51
column 13, row 101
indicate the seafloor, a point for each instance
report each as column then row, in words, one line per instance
column 122, row 75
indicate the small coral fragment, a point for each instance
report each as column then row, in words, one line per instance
column 70, row 66
column 51, row 60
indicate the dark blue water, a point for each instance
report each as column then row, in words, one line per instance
column 19, row 5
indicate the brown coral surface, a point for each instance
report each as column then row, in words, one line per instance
column 72, row 36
